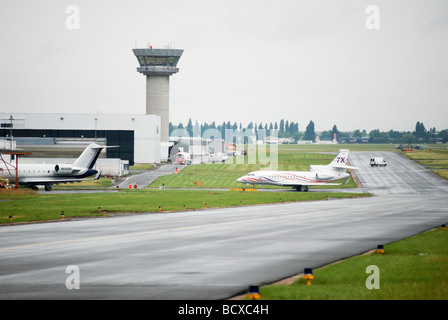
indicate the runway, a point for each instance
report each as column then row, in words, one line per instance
column 218, row 253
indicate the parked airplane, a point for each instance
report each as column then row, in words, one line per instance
column 33, row 175
column 318, row 175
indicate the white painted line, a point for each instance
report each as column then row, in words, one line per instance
column 403, row 181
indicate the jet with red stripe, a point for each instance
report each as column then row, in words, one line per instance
column 318, row 175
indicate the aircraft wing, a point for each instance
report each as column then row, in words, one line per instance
column 50, row 181
column 302, row 181
column 344, row 167
column 308, row 184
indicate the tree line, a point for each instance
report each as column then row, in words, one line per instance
column 284, row 128
column 290, row 129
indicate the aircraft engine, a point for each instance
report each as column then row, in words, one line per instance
column 63, row 169
column 324, row 176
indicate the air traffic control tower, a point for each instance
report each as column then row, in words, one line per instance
column 158, row 65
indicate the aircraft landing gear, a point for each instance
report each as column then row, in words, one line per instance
column 300, row 188
column 48, row 188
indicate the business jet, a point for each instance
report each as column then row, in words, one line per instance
column 318, row 175
column 34, row 175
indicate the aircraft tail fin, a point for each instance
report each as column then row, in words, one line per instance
column 89, row 156
column 340, row 162
column 341, row 158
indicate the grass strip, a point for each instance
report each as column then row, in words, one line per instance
column 435, row 160
column 27, row 206
column 411, row 269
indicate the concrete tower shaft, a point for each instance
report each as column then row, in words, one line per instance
column 158, row 102
column 158, row 65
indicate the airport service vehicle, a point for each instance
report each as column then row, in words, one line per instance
column 219, row 157
column 378, row 162
column 34, row 175
column 318, row 175
column 182, row 158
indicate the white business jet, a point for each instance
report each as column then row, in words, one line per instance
column 33, row 175
column 318, row 175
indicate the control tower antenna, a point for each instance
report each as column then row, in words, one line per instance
column 158, row 65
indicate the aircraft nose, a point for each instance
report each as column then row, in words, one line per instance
column 240, row 179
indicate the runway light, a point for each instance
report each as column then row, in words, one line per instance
column 206, row 204
column 308, row 276
column 99, row 209
column 160, row 208
column 104, row 212
column 185, row 207
column 443, row 227
column 380, row 249
column 10, row 218
column 254, row 293
column 62, row 214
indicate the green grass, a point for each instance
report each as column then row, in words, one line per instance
column 209, row 175
column 411, row 269
column 25, row 206
column 143, row 166
column 435, row 160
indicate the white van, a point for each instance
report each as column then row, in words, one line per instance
column 378, row 162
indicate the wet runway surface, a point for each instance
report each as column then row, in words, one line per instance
column 144, row 179
column 400, row 176
column 217, row 253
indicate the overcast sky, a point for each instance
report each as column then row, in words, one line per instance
column 243, row 61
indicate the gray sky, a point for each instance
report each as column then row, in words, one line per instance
column 243, row 61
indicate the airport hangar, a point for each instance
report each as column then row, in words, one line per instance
column 51, row 135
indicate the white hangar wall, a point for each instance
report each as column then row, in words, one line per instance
column 146, row 128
